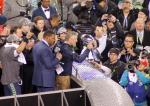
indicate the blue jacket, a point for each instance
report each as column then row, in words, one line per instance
column 136, row 90
column 44, row 65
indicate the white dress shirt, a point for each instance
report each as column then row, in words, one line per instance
column 45, row 42
column 140, row 36
column 47, row 13
column 102, row 43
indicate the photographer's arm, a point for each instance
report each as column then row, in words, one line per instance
column 145, row 79
column 80, row 58
column 22, row 46
column 24, row 43
column 124, row 79
column 119, row 29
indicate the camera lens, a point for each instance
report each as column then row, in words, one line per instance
column 130, row 68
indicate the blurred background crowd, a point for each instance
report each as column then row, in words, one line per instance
column 40, row 40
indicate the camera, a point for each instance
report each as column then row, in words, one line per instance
column 130, row 68
column 132, row 64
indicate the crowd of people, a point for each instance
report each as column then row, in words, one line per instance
column 36, row 54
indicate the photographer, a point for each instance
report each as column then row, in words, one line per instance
column 114, row 29
column 117, row 67
column 134, row 80
column 11, row 58
column 128, row 52
column 85, row 12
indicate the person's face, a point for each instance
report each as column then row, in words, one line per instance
column 62, row 36
column 55, row 22
column 98, row 31
column 110, row 24
column 113, row 57
column 73, row 40
column 46, row 3
column 126, row 5
column 128, row 42
column 6, row 30
column 139, row 25
column 51, row 40
column 142, row 15
column 25, row 28
column 40, row 24
column 19, row 33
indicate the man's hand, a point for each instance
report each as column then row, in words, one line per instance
column 29, row 35
column 90, row 45
column 131, row 52
column 59, row 56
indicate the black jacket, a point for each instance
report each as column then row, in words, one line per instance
column 116, row 68
column 130, row 19
column 146, row 37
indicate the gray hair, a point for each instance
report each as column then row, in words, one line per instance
column 70, row 34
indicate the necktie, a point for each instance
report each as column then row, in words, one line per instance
column 140, row 38
column 125, row 23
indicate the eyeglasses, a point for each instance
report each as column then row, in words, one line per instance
column 63, row 33
column 129, row 41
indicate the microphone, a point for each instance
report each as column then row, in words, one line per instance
column 56, row 49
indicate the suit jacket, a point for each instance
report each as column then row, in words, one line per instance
column 146, row 3
column 44, row 65
column 69, row 56
column 130, row 19
column 40, row 12
column 146, row 37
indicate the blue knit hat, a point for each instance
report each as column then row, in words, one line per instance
column 3, row 19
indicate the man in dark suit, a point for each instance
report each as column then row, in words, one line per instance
column 126, row 15
column 45, row 10
column 45, row 62
column 146, row 4
column 141, row 35
column 69, row 55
